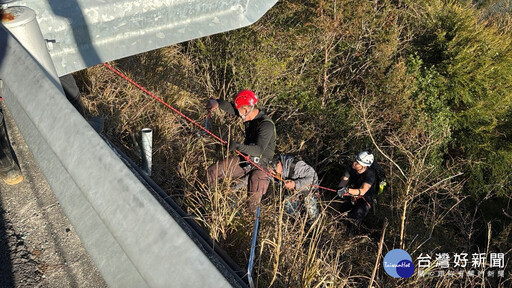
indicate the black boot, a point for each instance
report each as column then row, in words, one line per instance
column 11, row 175
column 9, row 170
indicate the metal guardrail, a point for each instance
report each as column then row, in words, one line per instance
column 83, row 33
column 132, row 239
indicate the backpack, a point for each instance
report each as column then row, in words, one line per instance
column 380, row 177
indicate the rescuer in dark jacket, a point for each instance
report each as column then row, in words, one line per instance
column 357, row 187
column 259, row 145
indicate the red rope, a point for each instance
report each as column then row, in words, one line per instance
column 324, row 188
column 163, row 102
column 246, row 157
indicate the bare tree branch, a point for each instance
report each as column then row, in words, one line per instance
column 368, row 129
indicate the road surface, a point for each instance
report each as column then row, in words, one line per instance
column 38, row 245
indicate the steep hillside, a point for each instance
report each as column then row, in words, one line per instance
column 426, row 85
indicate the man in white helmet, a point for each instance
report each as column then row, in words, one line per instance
column 357, row 187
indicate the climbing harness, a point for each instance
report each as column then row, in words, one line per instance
column 254, row 161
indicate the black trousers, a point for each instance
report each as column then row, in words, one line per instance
column 6, row 161
column 357, row 211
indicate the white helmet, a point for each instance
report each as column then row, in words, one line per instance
column 365, row 158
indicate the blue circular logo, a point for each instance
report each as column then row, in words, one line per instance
column 398, row 264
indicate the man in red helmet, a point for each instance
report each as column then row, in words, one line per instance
column 259, row 145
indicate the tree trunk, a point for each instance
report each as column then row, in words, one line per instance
column 404, row 213
column 402, row 227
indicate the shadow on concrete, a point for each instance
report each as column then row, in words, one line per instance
column 6, row 269
column 56, row 251
column 33, row 184
column 3, row 44
column 71, row 10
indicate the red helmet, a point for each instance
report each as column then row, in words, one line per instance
column 245, row 97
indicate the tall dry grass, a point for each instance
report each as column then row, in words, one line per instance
column 290, row 252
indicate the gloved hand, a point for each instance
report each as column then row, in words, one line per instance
column 233, row 145
column 342, row 191
column 212, row 104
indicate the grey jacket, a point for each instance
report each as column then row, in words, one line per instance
column 303, row 174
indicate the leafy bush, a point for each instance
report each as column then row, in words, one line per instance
column 425, row 84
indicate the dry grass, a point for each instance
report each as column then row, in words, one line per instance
column 290, row 253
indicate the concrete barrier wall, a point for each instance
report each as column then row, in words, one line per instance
column 131, row 238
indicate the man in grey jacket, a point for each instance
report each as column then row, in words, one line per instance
column 302, row 180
